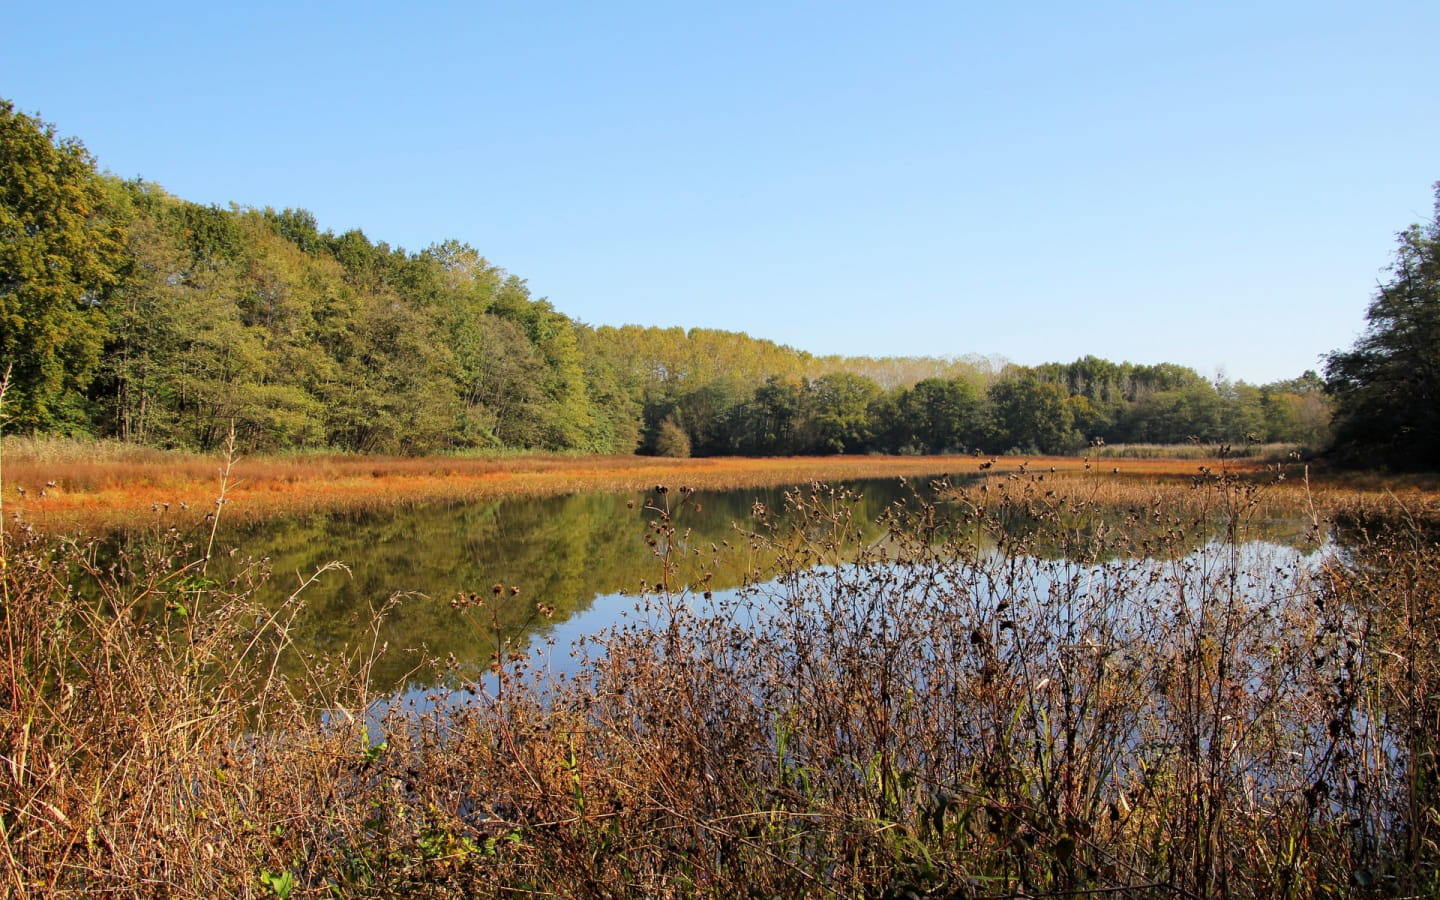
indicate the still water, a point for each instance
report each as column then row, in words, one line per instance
column 584, row 557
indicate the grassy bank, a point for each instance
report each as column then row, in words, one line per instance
column 92, row 484
column 931, row 720
column 66, row 484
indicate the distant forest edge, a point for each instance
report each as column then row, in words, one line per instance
column 131, row 314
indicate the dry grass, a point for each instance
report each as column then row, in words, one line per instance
column 1264, row 452
column 1286, row 489
column 60, row 484
column 920, row 716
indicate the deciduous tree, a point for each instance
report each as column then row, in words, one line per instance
column 61, row 247
column 1032, row 416
column 1387, row 387
column 842, row 419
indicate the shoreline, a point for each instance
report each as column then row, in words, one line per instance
column 56, row 494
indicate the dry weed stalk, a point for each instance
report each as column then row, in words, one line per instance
column 1013, row 692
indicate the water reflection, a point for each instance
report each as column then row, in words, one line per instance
column 569, row 553
column 583, row 556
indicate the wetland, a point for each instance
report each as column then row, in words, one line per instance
column 1032, row 681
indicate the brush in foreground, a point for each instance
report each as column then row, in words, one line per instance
column 947, row 712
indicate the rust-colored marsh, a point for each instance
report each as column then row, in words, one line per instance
column 60, row 483
column 987, row 702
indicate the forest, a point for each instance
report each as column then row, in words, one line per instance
column 134, row 315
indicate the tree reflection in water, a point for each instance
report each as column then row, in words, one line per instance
column 582, row 557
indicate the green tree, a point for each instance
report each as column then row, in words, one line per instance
column 1175, row 416
column 612, row 393
column 1090, row 421
column 61, row 248
column 1298, row 410
column 708, row 411
column 841, row 417
column 572, row 421
column 398, row 392
column 1242, row 412
column 1032, row 416
column 672, row 440
column 937, row 415
column 773, row 416
column 1387, row 387
column 180, row 359
column 503, row 398
column 147, row 321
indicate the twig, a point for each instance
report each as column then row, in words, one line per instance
column 225, row 485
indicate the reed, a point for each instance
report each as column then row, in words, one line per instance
column 63, row 484
column 1275, row 452
column 1001, row 697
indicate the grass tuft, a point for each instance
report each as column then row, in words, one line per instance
column 1008, row 694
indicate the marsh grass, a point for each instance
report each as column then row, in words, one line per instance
column 64, row 484
column 59, row 485
column 1269, row 452
column 1011, row 693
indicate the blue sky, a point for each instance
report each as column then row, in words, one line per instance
column 1213, row 184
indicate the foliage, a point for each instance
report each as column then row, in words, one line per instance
column 1387, row 387
column 937, row 416
column 133, row 314
column 1031, row 416
column 841, row 412
column 672, row 440
column 61, row 232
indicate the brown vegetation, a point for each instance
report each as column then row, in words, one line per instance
column 930, row 719
column 58, row 483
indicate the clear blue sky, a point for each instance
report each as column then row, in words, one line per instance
column 1215, row 184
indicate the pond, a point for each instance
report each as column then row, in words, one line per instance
column 578, row 555
column 581, row 559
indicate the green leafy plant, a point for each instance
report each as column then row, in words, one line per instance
column 280, row 885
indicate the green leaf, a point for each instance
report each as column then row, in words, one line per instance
column 281, row 885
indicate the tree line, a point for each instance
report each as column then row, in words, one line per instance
column 1054, row 408
column 133, row 314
